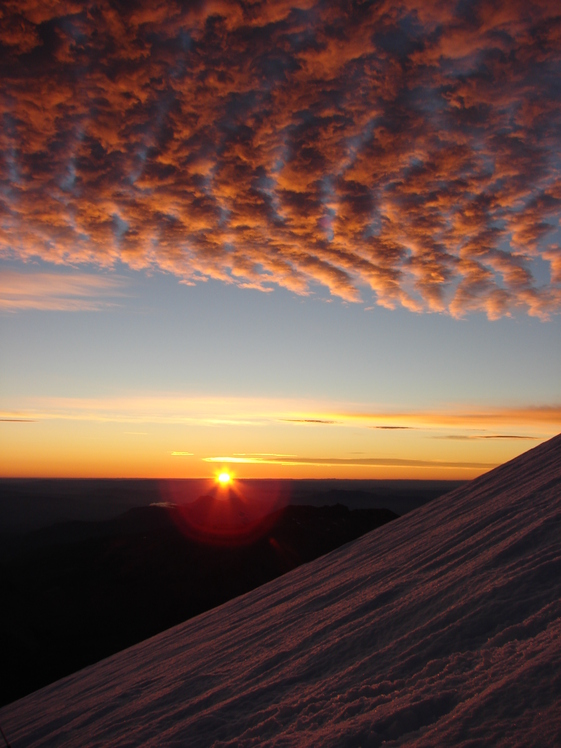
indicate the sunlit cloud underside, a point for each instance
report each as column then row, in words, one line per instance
column 403, row 154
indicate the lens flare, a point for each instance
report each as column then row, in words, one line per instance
column 233, row 513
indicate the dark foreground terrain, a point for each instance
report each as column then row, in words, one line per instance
column 76, row 592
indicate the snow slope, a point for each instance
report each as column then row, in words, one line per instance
column 441, row 628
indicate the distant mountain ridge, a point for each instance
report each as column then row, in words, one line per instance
column 441, row 628
column 29, row 504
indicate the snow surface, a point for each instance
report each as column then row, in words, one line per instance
column 441, row 628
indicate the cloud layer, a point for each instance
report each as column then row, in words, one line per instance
column 175, row 408
column 408, row 152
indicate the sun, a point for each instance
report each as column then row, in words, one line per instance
column 224, row 478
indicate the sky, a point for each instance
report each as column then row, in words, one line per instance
column 291, row 239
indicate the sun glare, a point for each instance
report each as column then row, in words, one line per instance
column 224, row 478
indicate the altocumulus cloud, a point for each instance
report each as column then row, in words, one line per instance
column 406, row 151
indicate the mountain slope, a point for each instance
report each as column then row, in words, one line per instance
column 441, row 628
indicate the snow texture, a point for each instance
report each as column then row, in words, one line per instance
column 441, row 628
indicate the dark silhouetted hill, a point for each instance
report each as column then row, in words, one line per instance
column 77, row 592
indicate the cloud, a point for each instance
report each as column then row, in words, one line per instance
column 470, row 437
column 457, row 416
column 405, row 152
column 261, row 454
column 57, row 292
column 351, row 462
column 17, row 420
column 179, row 408
column 323, row 421
column 394, row 428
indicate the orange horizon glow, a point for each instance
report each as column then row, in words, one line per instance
column 175, row 436
column 105, row 466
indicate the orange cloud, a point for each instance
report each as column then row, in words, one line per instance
column 407, row 152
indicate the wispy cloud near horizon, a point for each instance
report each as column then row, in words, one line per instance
column 408, row 152
column 292, row 413
column 352, row 462
column 478, row 437
column 68, row 292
